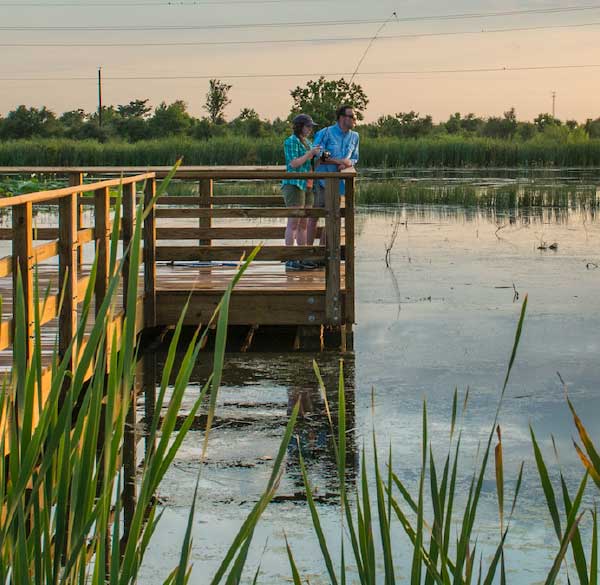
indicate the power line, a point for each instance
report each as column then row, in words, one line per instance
column 139, row 4
column 443, row 17
column 311, row 40
column 307, row 74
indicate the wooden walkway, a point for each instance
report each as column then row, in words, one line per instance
column 209, row 282
column 192, row 245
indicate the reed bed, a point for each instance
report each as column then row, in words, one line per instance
column 61, row 478
column 443, row 151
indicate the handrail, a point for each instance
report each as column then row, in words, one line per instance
column 56, row 194
column 187, row 172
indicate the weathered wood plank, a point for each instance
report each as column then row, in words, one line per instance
column 187, row 172
column 332, row 263
column 6, row 333
column 102, row 233
column 150, row 255
column 6, row 265
column 45, row 251
column 221, row 233
column 22, row 218
column 67, row 276
column 205, row 189
column 266, row 200
column 206, row 253
column 349, row 252
column 240, row 212
column 76, row 179
column 86, row 235
column 128, row 226
column 247, row 307
column 56, row 194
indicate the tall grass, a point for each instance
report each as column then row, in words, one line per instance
column 441, row 530
column 444, row 151
column 469, row 194
column 61, row 479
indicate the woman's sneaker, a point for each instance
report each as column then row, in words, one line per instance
column 308, row 265
column 293, row 265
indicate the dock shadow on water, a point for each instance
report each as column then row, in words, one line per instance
column 257, row 396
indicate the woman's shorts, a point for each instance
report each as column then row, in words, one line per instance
column 296, row 197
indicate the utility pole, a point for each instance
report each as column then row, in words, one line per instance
column 100, row 97
column 553, row 103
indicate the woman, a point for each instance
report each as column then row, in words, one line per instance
column 299, row 153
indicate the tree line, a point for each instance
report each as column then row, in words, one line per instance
column 137, row 120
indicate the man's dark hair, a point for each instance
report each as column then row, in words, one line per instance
column 342, row 111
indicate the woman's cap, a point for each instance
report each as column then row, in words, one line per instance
column 303, row 119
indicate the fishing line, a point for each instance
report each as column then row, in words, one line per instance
column 394, row 15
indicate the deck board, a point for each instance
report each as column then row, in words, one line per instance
column 268, row 278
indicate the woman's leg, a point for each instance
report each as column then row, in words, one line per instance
column 311, row 230
column 301, row 232
column 291, row 230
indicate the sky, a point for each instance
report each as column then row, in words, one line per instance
column 420, row 67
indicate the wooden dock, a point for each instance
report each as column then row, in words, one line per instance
column 192, row 246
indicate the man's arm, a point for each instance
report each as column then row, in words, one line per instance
column 344, row 163
column 354, row 156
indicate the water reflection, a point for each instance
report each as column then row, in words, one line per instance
column 258, row 394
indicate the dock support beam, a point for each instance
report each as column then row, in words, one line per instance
column 150, row 255
column 332, row 252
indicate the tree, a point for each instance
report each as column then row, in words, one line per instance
column 134, row 109
column 29, row 122
column 458, row 123
column 526, row 130
column 248, row 123
column 73, row 123
column 471, row 123
column 130, row 121
column 544, row 121
column 592, row 127
column 504, row 127
column 405, row 125
column 217, row 99
column 454, row 123
column 169, row 119
column 321, row 99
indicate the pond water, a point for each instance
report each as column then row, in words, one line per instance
column 442, row 316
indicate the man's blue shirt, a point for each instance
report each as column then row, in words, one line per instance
column 340, row 145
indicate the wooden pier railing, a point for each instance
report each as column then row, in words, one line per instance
column 202, row 229
column 65, row 242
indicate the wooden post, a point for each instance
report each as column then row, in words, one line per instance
column 349, row 317
column 128, row 224
column 102, row 234
column 67, row 259
column 22, row 253
column 205, row 190
column 129, row 494
column 150, row 256
column 149, row 381
column 332, row 252
column 74, row 180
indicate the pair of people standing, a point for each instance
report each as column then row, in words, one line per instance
column 335, row 148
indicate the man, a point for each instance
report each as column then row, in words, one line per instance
column 341, row 142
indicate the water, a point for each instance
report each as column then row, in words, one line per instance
column 443, row 317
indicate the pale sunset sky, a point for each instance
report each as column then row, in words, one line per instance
column 398, row 74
